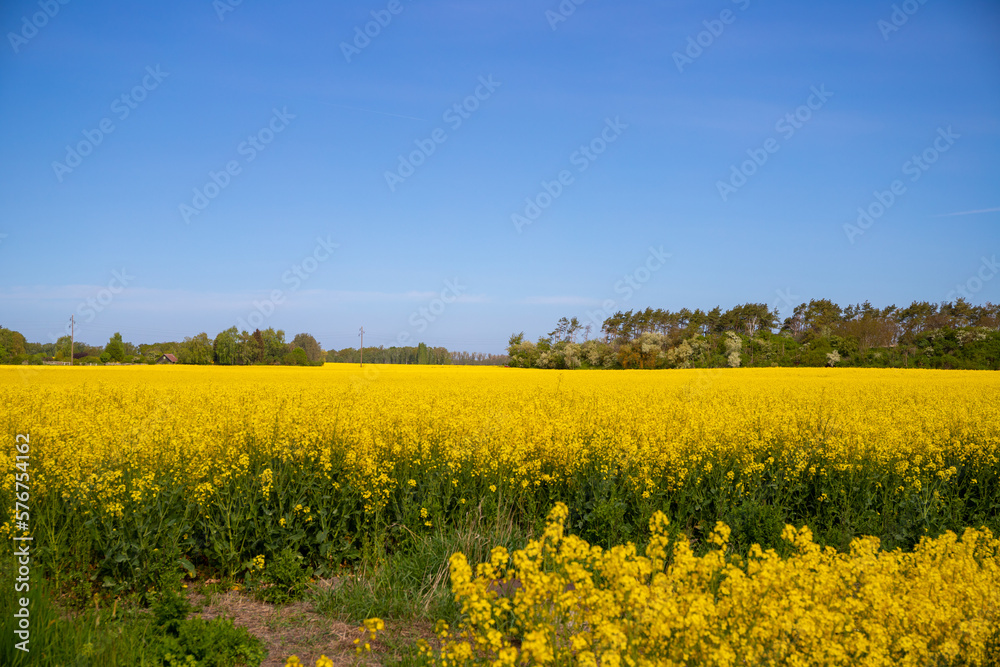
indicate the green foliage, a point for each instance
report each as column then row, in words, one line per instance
column 819, row 333
column 285, row 508
column 284, row 578
column 170, row 609
column 309, row 345
column 300, row 357
column 412, row 581
column 201, row 643
column 196, row 350
column 274, row 345
column 753, row 522
column 412, row 355
column 13, row 347
column 233, row 347
column 224, row 347
column 121, row 637
column 115, row 349
column 60, row 351
column 196, row 642
column 91, row 638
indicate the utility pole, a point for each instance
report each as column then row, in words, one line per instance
column 362, row 334
column 72, row 337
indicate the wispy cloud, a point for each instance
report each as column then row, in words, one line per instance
column 982, row 210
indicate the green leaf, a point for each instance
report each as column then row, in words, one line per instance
column 187, row 565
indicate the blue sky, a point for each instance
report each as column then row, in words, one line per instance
column 651, row 114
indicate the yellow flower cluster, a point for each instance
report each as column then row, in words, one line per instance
column 510, row 428
column 371, row 627
column 257, row 563
column 322, row 661
column 322, row 457
column 563, row 601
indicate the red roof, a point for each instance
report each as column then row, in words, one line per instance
column 171, row 357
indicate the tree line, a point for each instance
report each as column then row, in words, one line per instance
column 420, row 354
column 818, row 333
column 228, row 348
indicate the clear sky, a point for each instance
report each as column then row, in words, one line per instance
column 467, row 170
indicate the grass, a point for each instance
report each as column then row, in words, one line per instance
column 412, row 583
column 408, row 586
column 125, row 634
column 93, row 636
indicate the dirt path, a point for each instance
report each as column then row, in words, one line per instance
column 297, row 629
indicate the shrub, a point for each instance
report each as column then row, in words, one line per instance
column 283, row 579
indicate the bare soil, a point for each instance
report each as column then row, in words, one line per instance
column 298, row 629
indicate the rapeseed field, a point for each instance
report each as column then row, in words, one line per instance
column 754, row 512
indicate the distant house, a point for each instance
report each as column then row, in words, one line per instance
column 167, row 359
